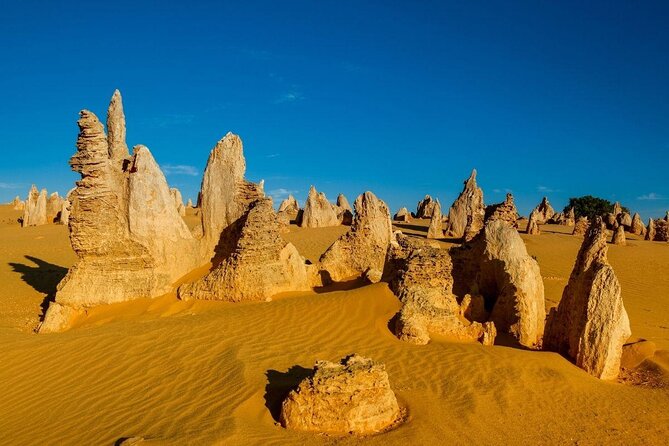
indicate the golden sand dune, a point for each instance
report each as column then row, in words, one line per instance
column 214, row 373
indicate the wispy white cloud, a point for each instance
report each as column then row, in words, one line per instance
column 545, row 189
column 502, row 191
column 281, row 193
column 273, row 155
column 179, row 169
column 10, row 186
column 650, row 196
column 289, row 96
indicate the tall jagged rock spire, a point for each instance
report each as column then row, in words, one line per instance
column 118, row 149
column 468, row 209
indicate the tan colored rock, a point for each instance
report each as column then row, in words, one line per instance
column 178, row 201
column 617, row 209
column 467, row 211
column 570, row 218
column 637, row 226
column 18, row 204
column 318, row 211
column 581, row 226
column 532, row 225
column 402, row 215
column 423, row 282
column 496, row 264
column 590, row 325
column 64, row 214
column 625, row 219
column 544, row 211
column 619, row 236
column 352, row 396
column 117, row 147
column 364, row 246
column 225, row 194
column 289, row 205
column 661, row 231
column 610, row 220
column 259, row 265
column 53, row 207
column 650, row 230
column 190, row 204
column 425, row 207
column 35, row 211
column 130, row 240
column 344, row 211
column 505, row 211
column 435, row 230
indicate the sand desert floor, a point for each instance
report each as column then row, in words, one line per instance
column 179, row 372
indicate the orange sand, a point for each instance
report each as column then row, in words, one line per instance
column 212, row 373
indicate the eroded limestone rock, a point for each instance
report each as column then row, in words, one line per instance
column 178, row 201
column 590, row 325
column 402, row 215
column 364, row 246
column 581, row 226
column 17, row 204
column 505, row 211
column 352, row 396
column 532, row 225
column 637, row 226
column 619, row 236
column 544, row 211
column 467, row 212
column 318, row 211
column 661, row 231
column 435, row 230
column 259, row 265
column 35, row 211
column 650, row 230
column 344, row 211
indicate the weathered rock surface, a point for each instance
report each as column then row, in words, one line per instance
column 619, row 236
column 422, row 280
column 352, row 396
column 53, row 207
column 178, row 201
column 18, row 204
column 425, row 207
column 590, row 325
column 625, row 219
column 130, row 240
column 570, row 217
column 544, row 211
column 35, row 211
column 435, row 230
column 402, row 215
column 64, row 214
column 650, row 230
column 532, row 225
column 289, row 205
column 496, row 264
column 661, row 231
column 318, row 211
column 344, row 211
column 505, row 211
column 190, row 203
column 467, row 212
column 581, row 226
column 617, row 209
column 259, row 265
column 225, row 195
column 559, row 218
column 364, row 246
column 637, row 226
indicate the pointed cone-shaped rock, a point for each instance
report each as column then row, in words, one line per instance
column 259, row 265
column 118, row 149
column 178, row 201
column 637, row 226
column 318, row 211
column 402, row 215
column 617, row 209
column 18, row 204
column 650, row 230
column 225, row 194
column 352, row 396
column 468, row 207
column 619, row 236
column 581, row 226
column 435, row 230
column 532, row 223
column 590, row 324
column 544, row 211
column 505, row 211
column 425, row 207
column 364, row 246
column 289, row 205
column 570, row 217
column 35, row 210
column 344, row 211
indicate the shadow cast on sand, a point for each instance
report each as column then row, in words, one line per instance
column 44, row 277
column 279, row 384
column 331, row 286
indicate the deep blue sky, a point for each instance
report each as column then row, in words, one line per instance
column 401, row 98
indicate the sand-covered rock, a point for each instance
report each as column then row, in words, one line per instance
column 496, row 264
column 544, row 211
column 344, row 211
column 318, row 211
column 259, row 265
column 422, row 280
column 590, row 324
column 352, row 396
column 124, row 227
column 18, row 204
column 178, row 201
column 435, row 230
column 650, row 230
column 619, row 236
column 581, row 226
column 532, row 223
column 505, row 211
column 637, row 227
column 425, row 207
column 468, row 210
column 225, row 195
column 402, row 215
column 661, row 230
column 35, row 210
column 364, row 246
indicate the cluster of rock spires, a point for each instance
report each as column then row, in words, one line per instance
column 39, row 210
